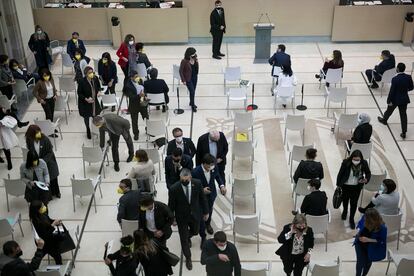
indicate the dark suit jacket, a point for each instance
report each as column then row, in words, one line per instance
column 214, row 266
column 314, row 204
column 134, row 105
column 217, row 20
column 203, row 148
column 143, row 58
column 129, row 206
column 85, row 91
column 114, row 124
column 71, row 48
column 400, row 85
column 163, row 219
column 362, row 133
column 179, row 205
column 107, row 72
column 198, row 173
column 385, row 65
column 46, row 153
column 157, row 86
column 345, row 170
column 171, row 174
column 308, row 169
column 18, row 267
column 286, row 249
column 279, row 59
column 189, row 147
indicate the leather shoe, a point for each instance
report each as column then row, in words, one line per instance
column 130, row 157
column 116, row 167
column 89, row 135
column 136, row 137
column 352, row 224
column 221, row 55
column 361, row 210
column 22, row 124
column 216, row 57
column 189, row 264
column 203, row 240
column 403, row 135
column 209, row 229
column 194, row 109
column 382, row 120
column 374, row 86
column 343, row 215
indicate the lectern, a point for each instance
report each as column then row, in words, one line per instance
column 263, row 41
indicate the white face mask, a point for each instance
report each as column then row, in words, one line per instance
column 356, row 163
column 131, row 42
column 383, row 190
column 39, row 32
column 222, row 248
column 179, row 139
column 212, row 167
column 309, row 188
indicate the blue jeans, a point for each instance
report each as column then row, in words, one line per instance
column 191, row 90
column 363, row 264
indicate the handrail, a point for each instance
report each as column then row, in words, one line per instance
column 72, row 263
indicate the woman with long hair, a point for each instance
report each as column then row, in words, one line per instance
column 39, row 44
column 189, row 74
column 286, row 79
column 127, row 55
column 107, row 72
column 335, row 62
column 45, row 92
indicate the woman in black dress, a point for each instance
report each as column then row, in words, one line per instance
column 39, row 44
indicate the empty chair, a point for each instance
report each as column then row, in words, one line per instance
column 49, row 128
column 393, row 223
column 332, row 76
column 365, row 149
column 85, row 187
column 154, row 156
column 156, row 129
column 403, row 262
column 94, row 131
column 66, row 61
column 93, row 155
column 109, row 100
column 14, row 187
column 95, row 65
column 325, row 268
column 243, row 121
column 62, row 271
column 156, row 100
column 297, row 154
column 344, row 121
column 7, row 225
column 68, row 85
column 285, row 94
column 300, row 189
column 243, row 149
column 244, row 188
column 142, row 71
column 275, row 75
column 237, row 94
column 20, row 88
column 256, row 269
column 295, row 122
column 386, row 78
column 319, row 225
column 336, row 95
column 55, row 48
column 247, row 225
column 62, row 104
column 374, row 183
column 128, row 227
column 231, row 74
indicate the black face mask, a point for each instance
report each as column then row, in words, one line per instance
column 300, row 229
column 19, row 254
column 185, row 182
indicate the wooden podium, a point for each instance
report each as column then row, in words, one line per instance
column 263, row 41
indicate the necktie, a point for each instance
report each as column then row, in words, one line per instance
column 187, row 194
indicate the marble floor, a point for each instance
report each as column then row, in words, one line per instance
column 274, row 201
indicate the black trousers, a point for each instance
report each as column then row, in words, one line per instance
column 350, row 194
column 7, row 90
column 54, row 187
column 115, row 144
column 162, row 240
column 294, row 263
column 403, row 115
column 217, row 39
column 369, row 73
column 126, row 71
column 186, row 229
column 134, row 119
column 203, row 224
column 86, row 120
column 49, row 108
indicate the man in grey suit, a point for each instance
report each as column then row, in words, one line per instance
column 116, row 126
column 128, row 207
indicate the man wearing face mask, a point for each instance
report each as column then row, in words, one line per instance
column 374, row 75
column 188, row 203
column 387, row 199
column 185, row 144
column 174, row 163
column 217, row 28
column 208, row 175
column 76, row 43
column 220, row 256
column 11, row 263
column 128, row 206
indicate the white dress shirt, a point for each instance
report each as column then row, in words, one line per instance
column 189, row 191
column 207, row 174
column 149, row 215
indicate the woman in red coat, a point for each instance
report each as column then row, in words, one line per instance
column 127, row 54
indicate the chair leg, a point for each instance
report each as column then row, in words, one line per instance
column 73, row 201
column 234, row 236
column 255, row 203
column 388, row 266
column 94, row 202
column 303, row 137
column 285, row 135
column 84, row 169
column 258, row 241
column 66, row 117
column 7, row 200
column 274, row 104
column 20, row 226
column 326, row 241
column 100, row 190
column 398, row 239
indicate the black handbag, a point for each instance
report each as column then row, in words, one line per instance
column 65, row 242
column 168, row 256
column 337, row 198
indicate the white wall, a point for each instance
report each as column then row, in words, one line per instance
column 26, row 23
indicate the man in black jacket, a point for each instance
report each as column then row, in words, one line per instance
column 388, row 62
column 12, row 265
column 220, row 256
column 157, row 86
column 173, row 164
column 309, row 168
column 188, row 203
column 186, row 144
column 155, row 218
column 128, row 207
column 314, row 204
column 217, row 29
column 398, row 97
column 215, row 143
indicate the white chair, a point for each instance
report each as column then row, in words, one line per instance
column 336, row 95
column 156, row 128
column 66, row 62
column 94, row 131
column 319, row 225
column 325, row 268
column 344, row 121
column 85, row 187
column 5, row 102
column 142, row 71
column 332, row 76
column 237, row 94
column 62, row 104
column 403, row 262
column 256, row 269
column 297, row 154
column 246, row 225
column 275, row 76
column 24, row 153
column 156, row 100
column 393, row 223
column 374, row 184
column 95, row 65
column 300, row 189
column 285, row 94
column 13, row 187
column 365, row 149
column 20, row 88
column 231, row 74
column 176, row 77
column 56, row 49
column 386, row 78
column 297, row 123
column 7, row 225
column 244, row 188
column 93, row 155
column 47, row 271
column 128, row 227
column 243, row 121
column 412, row 68
column 243, row 149
column 67, row 84
column 154, row 156
column 49, row 128
column 109, row 100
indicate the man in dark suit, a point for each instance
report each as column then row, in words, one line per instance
column 128, row 207
column 217, row 29
column 314, row 204
column 74, row 44
column 215, row 143
column 279, row 58
column 157, row 86
column 208, row 175
column 398, row 97
column 374, row 75
column 188, row 203
column 155, row 218
column 116, row 126
column 174, row 163
column 185, row 144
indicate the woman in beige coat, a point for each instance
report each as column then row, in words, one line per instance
column 45, row 93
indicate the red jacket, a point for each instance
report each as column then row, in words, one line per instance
column 122, row 52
